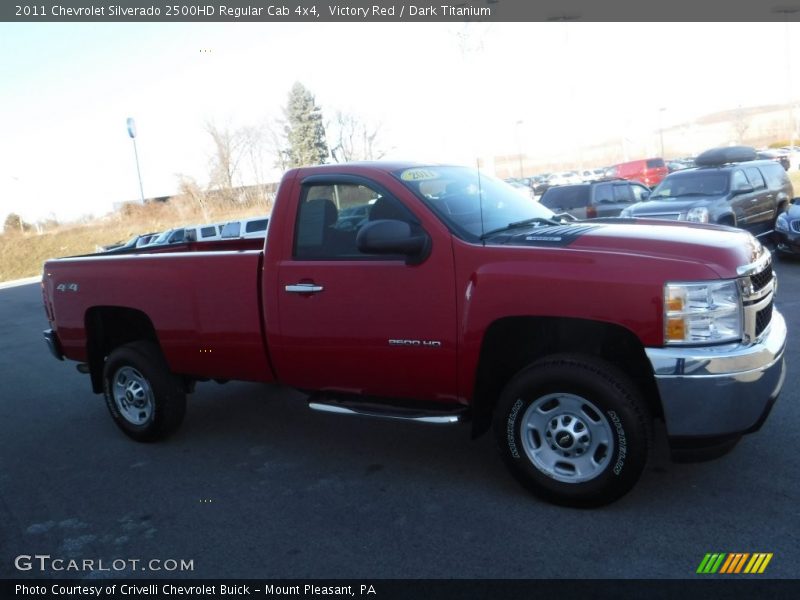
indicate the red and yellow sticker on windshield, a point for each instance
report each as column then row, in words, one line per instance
column 418, row 175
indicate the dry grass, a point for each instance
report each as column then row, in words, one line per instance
column 22, row 254
column 795, row 177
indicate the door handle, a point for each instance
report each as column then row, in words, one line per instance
column 304, row 288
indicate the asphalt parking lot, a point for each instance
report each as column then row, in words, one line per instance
column 256, row 485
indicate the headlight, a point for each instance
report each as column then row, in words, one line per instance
column 702, row 313
column 782, row 223
column 697, row 215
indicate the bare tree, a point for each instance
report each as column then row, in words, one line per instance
column 740, row 123
column 276, row 143
column 355, row 139
column 190, row 189
column 228, row 152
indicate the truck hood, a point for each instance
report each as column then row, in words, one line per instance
column 723, row 249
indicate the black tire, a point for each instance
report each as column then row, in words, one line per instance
column 144, row 398
column 573, row 391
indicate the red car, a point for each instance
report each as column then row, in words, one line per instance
column 650, row 171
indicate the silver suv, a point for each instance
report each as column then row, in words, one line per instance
column 596, row 199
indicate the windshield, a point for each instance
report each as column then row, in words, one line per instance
column 470, row 203
column 697, row 183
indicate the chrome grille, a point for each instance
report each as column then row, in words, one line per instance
column 761, row 279
column 795, row 225
column 763, row 318
column 758, row 297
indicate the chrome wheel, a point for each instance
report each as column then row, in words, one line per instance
column 133, row 396
column 567, row 437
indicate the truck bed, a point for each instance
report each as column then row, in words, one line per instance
column 203, row 299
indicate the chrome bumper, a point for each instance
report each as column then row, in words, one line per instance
column 720, row 390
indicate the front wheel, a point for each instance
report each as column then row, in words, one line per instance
column 574, row 430
column 144, row 398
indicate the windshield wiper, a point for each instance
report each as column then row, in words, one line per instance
column 523, row 223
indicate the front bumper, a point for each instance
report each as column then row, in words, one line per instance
column 720, row 390
column 787, row 242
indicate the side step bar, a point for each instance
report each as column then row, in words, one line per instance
column 385, row 411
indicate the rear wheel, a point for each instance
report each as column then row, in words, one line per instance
column 144, row 398
column 574, row 430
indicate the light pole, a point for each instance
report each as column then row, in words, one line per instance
column 519, row 147
column 132, row 133
column 661, row 129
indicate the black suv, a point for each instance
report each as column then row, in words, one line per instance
column 595, row 199
column 749, row 194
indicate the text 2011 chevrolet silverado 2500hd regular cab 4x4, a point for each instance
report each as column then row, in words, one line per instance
column 453, row 298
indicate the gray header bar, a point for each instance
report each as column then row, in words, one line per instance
column 312, row 11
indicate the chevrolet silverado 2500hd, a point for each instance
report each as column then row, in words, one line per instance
column 451, row 298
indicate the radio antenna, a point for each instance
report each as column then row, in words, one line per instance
column 480, row 196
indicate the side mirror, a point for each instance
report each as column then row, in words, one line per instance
column 388, row 236
column 742, row 190
column 645, row 196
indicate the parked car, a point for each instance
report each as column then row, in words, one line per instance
column 255, row 227
column 747, row 193
column 176, row 235
column 650, row 171
column 457, row 300
column 679, row 164
column 592, row 174
column 137, row 241
column 521, row 189
column 793, row 152
column 787, row 230
column 563, row 178
column 779, row 156
column 597, row 199
column 206, row 233
column 539, row 184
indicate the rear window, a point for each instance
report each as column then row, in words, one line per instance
column 655, row 163
column 566, row 197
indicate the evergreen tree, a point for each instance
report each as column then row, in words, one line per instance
column 305, row 132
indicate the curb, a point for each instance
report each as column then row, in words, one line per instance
column 19, row 282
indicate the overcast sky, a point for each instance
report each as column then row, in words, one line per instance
column 443, row 92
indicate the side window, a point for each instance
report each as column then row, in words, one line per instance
column 208, row 232
column 254, row 226
column 604, row 193
column 775, row 175
column 640, row 193
column 755, row 177
column 330, row 215
column 231, row 230
column 622, row 193
column 738, row 180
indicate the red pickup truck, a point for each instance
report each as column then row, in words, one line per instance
column 438, row 294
